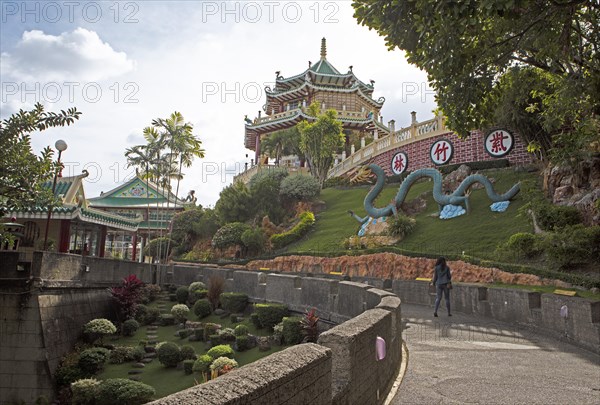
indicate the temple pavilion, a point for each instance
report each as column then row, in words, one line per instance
column 287, row 104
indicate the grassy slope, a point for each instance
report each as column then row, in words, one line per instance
column 477, row 233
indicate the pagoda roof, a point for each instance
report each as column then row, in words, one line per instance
column 69, row 190
column 137, row 192
column 295, row 93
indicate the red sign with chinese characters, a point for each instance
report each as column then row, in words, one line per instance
column 499, row 142
column 441, row 152
column 399, row 163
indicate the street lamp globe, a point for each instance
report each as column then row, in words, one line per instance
column 61, row 145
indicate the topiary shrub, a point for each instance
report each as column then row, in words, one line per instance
column 202, row 309
column 270, row 315
column 141, row 311
column 301, row 187
column 229, row 235
column 240, row 330
column 169, row 354
column 188, row 366
column 305, row 224
column 202, row 365
column 182, row 294
column 255, row 321
column 180, row 313
column 292, row 330
column 121, row 354
column 98, row 328
column 197, row 285
column 188, row 353
column 220, row 351
column 129, row 327
column 210, row 329
column 196, row 295
column 92, row 360
column 183, row 333
column 234, row 302
column 123, row 391
column 241, row 342
column 167, row 319
column 149, row 292
column 215, row 339
column 400, row 225
column 226, row 335
column 524, row 244
column 222, row 365
column 84, row 391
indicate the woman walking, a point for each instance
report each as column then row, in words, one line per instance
column 442, row 280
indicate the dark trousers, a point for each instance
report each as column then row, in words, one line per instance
column 442, row 289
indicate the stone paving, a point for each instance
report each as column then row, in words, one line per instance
column 471, row 360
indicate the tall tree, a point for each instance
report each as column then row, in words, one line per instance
column 319, row 140
column 467, row 48
column 22, row 173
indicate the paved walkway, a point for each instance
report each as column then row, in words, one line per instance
column 471, row 360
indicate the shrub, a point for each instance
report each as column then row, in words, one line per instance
column 226, row 335
column 229, row 235
column 92, row 360
column 524, row 244
column 180, row 312
column 182, row 294
column 197, row 285
column 196, row 295
column 310, row 325
column 84, row 391
column 220, row 351
column 210, row 329
column 121, row 354
column 99, row 328
column 216, row 285
column 241, row 343
column 157, row 248
column 202, row 309
column 173, row 297
column 150, row 292
column 292, row 330
column 305, row 224
column 574, row 245
column 199, row 334
column 223, row 364
column 183, row 333
column 138, row 354
column 167, row 319
column 124, row 391
column 152, row 315
column 240, row 330
column 255, row 321
column 340, row 181
column 188, row 353
column 66, row 374
column 215, row 339
column 141, row 311
column 234, row 302
column 169, row 354
column 127, row 296
column 300, row 188
column 129, row 327
column 270, row 315
column 255, row 240
column 554, row 217
column 202, row 364
column 400, row 225
column 188, row 366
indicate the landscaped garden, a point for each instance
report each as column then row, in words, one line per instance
column 167, row 341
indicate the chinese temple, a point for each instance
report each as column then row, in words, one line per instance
column 287, row 104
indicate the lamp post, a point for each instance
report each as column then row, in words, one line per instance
column 61, row 146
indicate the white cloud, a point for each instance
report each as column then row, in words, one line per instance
column 79, row 55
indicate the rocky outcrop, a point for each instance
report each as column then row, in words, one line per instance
column 393, row 266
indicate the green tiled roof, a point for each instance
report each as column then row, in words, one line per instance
column 113, row 219
column 62, row 187
column 57, row 210
column 324, row 67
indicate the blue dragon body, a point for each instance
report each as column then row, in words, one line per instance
column 458, row 197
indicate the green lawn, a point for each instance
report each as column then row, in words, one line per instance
column 170, row 380
column 477, row 233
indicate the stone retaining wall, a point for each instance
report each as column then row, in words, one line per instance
column 523, row 308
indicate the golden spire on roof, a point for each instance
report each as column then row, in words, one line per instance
column 323, row 48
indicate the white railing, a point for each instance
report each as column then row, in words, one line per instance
column 403, row 136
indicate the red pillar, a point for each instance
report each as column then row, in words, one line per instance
column 102, row 241
column 134, row 247
column 64, row 235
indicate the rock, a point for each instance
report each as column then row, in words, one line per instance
column 452, row 181
column 194, row 325
column 219, row 311
column 416, row 205
column 138, row 365
column 147, row 360
column 149, row 349
column 134, row 372
column 150, row 355
column 562, row 194
column 595, row 290
column 135, row 378
column 479, row 186
column 263, row 343
column 152, row 337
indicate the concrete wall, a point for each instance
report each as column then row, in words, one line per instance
column 354, row 375
column 298, row 375
column 526, row 308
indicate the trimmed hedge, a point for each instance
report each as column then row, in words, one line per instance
column 123, row 391
column 292, row 330
column 240, row 330
column 241, row 342
column 188, row 353
column 220, row 351
column 92, row 360
column 129, row 327
column 202, row 309
column 210, row 329
column 234, row 302
column 202, row 365
column 169, row 354
column 182, row 294
column 270, row 315
column 307, row 221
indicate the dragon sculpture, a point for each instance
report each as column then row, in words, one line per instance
column 458, row 197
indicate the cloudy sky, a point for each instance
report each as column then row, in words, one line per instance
column 125, row 63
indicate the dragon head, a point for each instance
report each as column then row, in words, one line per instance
column 362, row 175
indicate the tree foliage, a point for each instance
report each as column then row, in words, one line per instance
column 234, row 204
column 229, row 235
column 320, row 139
column 299, row 188
column 192, row 225
column 22, row 172
column 548, row 49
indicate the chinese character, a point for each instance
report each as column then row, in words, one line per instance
column 498, row 142
column 441, row 149
column 398, row 164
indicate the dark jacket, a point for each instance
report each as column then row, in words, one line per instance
column 441, row 275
